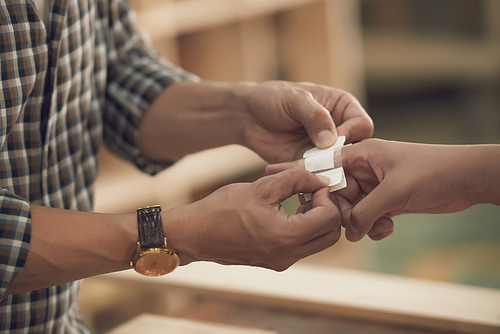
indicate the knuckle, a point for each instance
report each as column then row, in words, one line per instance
column 291, row 174
column 315, row 115
column 264, row 187
column 367, row 127
column 286, row 244
column 334, row 214
column 281, row 265
column 259, row 185
column 280, row 245
column 349, row 96
column 301, row 93
column 374, row 142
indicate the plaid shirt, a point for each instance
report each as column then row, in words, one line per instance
column 62, row 96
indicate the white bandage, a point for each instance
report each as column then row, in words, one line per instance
column 327, row 162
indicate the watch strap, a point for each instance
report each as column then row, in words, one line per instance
column 150, row 227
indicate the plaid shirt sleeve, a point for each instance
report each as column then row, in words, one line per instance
column 137, row 74
column 15, row 231
column 91, row 78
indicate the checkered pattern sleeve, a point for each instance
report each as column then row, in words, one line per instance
column 15, row 232
column 137, row 74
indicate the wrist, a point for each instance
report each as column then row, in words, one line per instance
column 153, row 256
column 180, row 236
column 249, row 95
column 240, row 93
column 190, row 117
column 484, row 174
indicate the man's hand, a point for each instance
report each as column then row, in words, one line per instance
column 285, row 119
column 237, row 224
column 245, row 223
column 277, row 119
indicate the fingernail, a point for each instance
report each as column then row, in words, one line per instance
column 380, row 236
column 352, row 233
column 325, row 139
column 324, row 179
column 382, row 228
column 385, row 234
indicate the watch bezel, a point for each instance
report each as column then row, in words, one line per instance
column 142, row 253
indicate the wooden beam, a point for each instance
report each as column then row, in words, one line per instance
column 345, row 45
column 175, row 18
column 344, row 292
column 155, row 324
column 394, row 57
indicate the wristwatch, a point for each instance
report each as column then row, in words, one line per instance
column 153, row 257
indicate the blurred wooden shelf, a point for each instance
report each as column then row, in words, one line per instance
column 409, row 57
column 345, row 293
column 300, row 40
column 173, row 18
column 399, row 52
column 233, row 40
column 155, row 324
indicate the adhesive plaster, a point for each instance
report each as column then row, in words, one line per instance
column 327, row 162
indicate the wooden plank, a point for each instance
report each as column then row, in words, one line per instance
column 394, row 56
column 174, row 18
column 345, row 46
column 406, row 56
column 213, row 54
column 155, row 324
column 258, row 49
column 345, row 292
column 322, row 43
column 243, row 51
column 303, row 45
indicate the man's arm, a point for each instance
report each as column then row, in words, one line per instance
column 238, row 224
column 279, row 120
column 189, row 117
column 68, row 245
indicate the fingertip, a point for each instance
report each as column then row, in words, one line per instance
column 381, row 235
column 373, row 210
column 324, row 179
column 383, row 225
column 351, row 233
column 270, row 169
column 279, row 167
column 325, row 138
column 318, row 122
column 356, row 129
column 381, row 229
column 303, row 181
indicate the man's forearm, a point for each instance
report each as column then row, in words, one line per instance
column 189, row 117
column 69, row 245
column 238, row 224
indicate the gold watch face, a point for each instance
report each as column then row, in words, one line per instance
column 157, row 264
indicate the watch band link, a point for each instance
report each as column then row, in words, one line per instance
column 150, row 227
